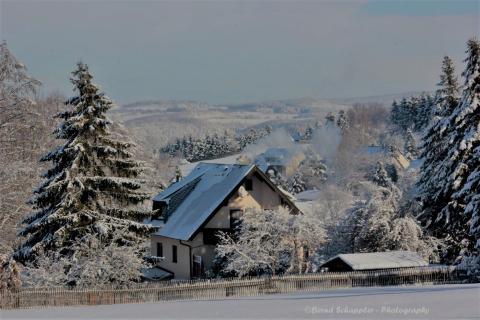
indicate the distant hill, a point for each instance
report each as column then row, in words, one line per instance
column 386, row 99
column 301, row 105
column 155, row 122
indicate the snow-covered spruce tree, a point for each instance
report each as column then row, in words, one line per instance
column 453, row 211
column 92, row 190
column 435, row 144
column 423, row 108
column 308, row 133
column 312, row 171
column 380, row 176
column 342, row 121
column 401, row 115
column 410, row 148
column 415, row 112
column 447, row 95
column 296, row 184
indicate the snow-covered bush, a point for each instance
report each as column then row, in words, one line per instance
column 9, row 273
column 374, row 224
column 272, row 242
column 95, row 265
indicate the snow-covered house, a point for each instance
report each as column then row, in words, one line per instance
column 374, row 261
column 210, row 199
column 283, row 161
column 396, row 157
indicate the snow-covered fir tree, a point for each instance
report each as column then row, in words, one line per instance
column 308, row 133
column 414, row 112
column 447, row 95
column 92, row 191
column 342, row 121
column 296, row 183
column 452, row 211
column 213, row 146
column 410, row 148
column 435, row 144
column 380, row 176
column 423, row 108
column 312, row 171
column 401, row 115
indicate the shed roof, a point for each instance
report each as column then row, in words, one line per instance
column 156, row 273
column 381, row 260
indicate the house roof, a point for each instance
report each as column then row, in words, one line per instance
column 308, row 195
column 381, row 260
column 156, row 273
column 275, row 156
column 192, row 200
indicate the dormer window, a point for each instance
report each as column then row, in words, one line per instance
column 248, row 184
column 160, row 207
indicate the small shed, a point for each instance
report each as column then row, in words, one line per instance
column 374, row 261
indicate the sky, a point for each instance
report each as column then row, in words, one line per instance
column 240, row 51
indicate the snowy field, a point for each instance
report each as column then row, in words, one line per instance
column 415, row 302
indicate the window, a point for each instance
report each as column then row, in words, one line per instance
column 197, row 266
column 210, row 236
column 174, row 254
column 159, row 208
column 159, row 249
column 248, row 184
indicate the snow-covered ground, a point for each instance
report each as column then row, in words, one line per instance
column 412, row 302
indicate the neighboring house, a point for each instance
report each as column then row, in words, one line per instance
column 399, row 160
column 393, row 154
column 374, row 261
column 283, row 161
column 210, row 199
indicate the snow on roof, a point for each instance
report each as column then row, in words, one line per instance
column 262, row 164
column 193, row 199
column 286, row 193
column 374, row 149
column 187, row 167
column 154, row 223
column 305, row 206
column 276, row 156
column 416, row 164
column 156, row 273
column 381, row 260
column 308, row 195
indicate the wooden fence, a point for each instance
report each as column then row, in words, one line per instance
column 223, row 288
